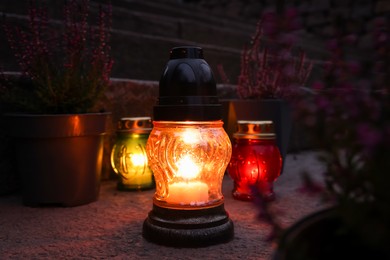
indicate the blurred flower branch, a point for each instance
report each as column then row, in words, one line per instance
column 271, row 67
column 348, row 118
column 347, row 114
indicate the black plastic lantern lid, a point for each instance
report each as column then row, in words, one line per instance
column 187, row 88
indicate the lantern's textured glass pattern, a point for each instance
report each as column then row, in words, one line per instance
column 188, row 153
column 129, row 161
column 128, row 155
column 256, row 161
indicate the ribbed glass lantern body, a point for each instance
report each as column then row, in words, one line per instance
column 188, row 160
column 255, row 164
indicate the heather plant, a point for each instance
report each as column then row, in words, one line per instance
column 347, row 113
column 348, row 116
column 271, row 67
column 65, row 65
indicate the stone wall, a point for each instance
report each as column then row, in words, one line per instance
column 143, row 32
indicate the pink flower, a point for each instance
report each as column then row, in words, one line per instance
column 288, row 39
column 351, row 39
column 368, row 136
column 323, row 102
column 354, row 67
column 291, row 13
column 269, row 16
column 332, row 44
column 318, row 85
column 270, row 23
column 311, row 188
column 292, row 19
column 380, row 21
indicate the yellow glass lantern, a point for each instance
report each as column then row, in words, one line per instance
column 188, row 151
column 128, row 155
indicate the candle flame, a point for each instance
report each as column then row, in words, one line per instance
column 187, row 168
column 190, row 136
column 138, row 159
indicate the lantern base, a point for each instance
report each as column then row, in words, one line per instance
column 188, row 228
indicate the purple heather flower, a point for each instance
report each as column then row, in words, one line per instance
column 354, row 67
column 291, row 13
column 292, row 20
column 318, row 85
column 311, row 187
column 288, row 39
column 368, row 136
column 323, row 102
column 332, row 44
column 270, row 23
column 351, row 39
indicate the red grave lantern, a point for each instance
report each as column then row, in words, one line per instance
column 256, row 161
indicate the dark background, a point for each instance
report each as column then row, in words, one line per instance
column 145, row 30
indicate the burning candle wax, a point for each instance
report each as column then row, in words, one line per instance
column 192, row 193
column 189, row 191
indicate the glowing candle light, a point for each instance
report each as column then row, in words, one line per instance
column 256, row 161
column 188, row 191
column 184, row 164
column 128, row 155
column 188, row 151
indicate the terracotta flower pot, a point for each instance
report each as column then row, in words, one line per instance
column 59, row 157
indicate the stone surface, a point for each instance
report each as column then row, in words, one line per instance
column 112, row 226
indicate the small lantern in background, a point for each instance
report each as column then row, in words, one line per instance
column 188, row 151
column 256, row 161
column 128, row 156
